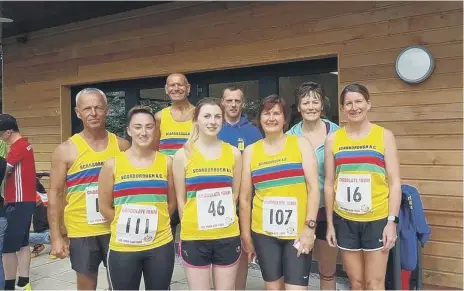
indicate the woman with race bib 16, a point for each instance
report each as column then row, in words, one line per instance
column 136, row 195
column 363, row 187
column 207, row 180
column 283, row 171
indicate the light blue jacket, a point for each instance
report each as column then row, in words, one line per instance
column 297, row 130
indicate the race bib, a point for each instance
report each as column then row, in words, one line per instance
column 137, row 224
column 91, row 200
column 215, row 208
column 280, row 216
column 354, row 193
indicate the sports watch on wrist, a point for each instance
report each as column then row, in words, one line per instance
column 393, row 218
column 311, row 224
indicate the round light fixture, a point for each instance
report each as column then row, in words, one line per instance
column 415, row 64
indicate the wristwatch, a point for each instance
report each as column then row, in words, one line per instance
column 393, row 218
column 311, row 224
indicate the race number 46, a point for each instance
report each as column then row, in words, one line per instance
column 280, row 216
column 215, row 208
column 91, row 200
column 354, row 193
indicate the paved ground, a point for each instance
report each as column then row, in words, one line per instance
column 48, row 274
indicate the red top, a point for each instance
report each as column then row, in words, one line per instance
column 20, row 183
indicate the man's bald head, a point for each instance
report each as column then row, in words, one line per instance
column 177, row 87
column 176, row 76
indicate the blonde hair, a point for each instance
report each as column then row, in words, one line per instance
column 195, row 132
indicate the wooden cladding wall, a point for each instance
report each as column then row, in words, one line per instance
column 193, row 37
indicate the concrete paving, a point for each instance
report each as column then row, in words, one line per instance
column 49, row 274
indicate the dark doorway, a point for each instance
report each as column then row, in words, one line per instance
column 257, row 82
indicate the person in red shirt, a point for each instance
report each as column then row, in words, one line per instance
column 20, row 195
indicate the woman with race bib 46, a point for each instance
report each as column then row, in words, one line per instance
column 281, row 228
column 207, row 180
column 363, row 187
column 136, row 195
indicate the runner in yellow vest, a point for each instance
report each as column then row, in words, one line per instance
column 174, row 123
column 73, row 195
column 363, row 187
column 207, row 181
column 282, row 169
column 136, row 195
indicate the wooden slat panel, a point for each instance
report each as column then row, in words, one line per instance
column 423, row 112
column 388, row 57
column 445, row 249
column 443, row 173
column 442, row 203
column 446, row 234
column 29, row 131
column 37, row 111
column 451, row 126
column 394, row 85
column 442, row 264
column 229, row 59
column 432, row 142
column 441, row 218
column 431, row 187
column 44, row 148
column 423, row 22
column 42, row 157
column 44, row 139
column 417, row 98
column 43, row 166
column 359, row 74
column 402, row 40
column 442, row 279
column 39, row 121
column 419, row 157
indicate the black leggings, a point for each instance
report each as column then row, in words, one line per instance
column 125, row 269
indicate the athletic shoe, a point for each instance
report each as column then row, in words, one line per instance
column 25, row 288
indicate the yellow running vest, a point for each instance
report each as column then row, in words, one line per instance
column 361, row 188
column 210, row 209
column 280, row 202
column 141, row 216
column 81, row 215
column 173, row 134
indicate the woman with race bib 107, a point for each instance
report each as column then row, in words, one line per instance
column 363, row 187
column 207, row 180
column 283, row 171
column 136, row 195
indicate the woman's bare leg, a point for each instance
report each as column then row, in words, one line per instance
column 327, row 261
column 224, row 277
column 198, row 278
column 353, row 264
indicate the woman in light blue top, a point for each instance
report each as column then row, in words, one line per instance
column 312, row 103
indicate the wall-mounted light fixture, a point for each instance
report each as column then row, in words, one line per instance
column 415, row 64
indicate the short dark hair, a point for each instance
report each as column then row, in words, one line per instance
column 8, row 122
column 233, row 87
column 313, row 89
column 356, row 88
column 268, row 103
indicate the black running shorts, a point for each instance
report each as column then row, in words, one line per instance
column 86, row 253
column 203, row 253
column 359, row 236
column 277, row 258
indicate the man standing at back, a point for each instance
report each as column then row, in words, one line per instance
column 19, row 204
column 174, row 123
column 239, row 132
column 76, row 164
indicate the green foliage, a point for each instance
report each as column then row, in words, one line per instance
column 116, row 120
